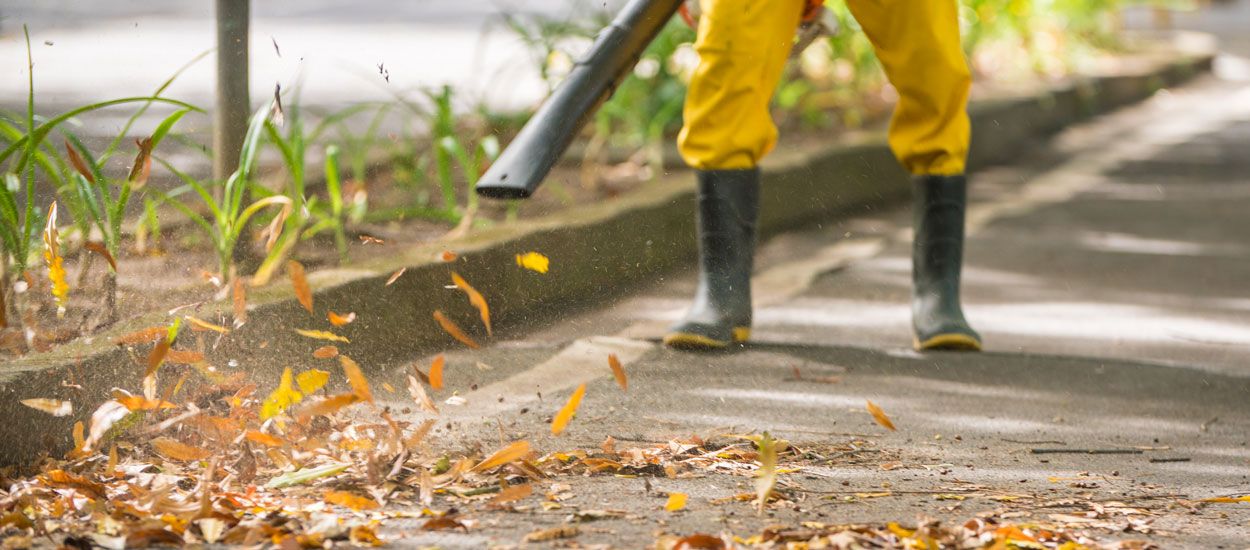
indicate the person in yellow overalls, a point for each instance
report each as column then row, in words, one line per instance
column 743, row 46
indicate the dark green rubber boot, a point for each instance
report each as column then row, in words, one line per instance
column 727, row 212
column 937, row 257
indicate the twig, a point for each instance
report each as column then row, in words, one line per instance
column 1174, row 459
column 1043, row 442
column 1087, row 451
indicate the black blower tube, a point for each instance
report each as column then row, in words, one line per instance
column 526, row 161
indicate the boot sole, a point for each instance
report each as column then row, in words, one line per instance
column 949, row 342
column 691, row 341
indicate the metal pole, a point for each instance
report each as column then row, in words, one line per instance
column 233, row 104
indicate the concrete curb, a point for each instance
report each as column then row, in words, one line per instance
column 597, row 251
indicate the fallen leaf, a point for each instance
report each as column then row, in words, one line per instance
column 304, row 475
column 102, row 420
column 324, row 406
column 54, row 407
column 454, row 330
column 350, row 500
column 1243, row 498
column 299, row 282
column 475, row 299
column 418, row 394
column 444, row 523
column 156, row 357
column 766, row 477
column 144, row 336
column 388, row 387
column 699, row 541
column 880, row 416
column 436, row 372
column 355, row 377
column 61, row 478
column 447, row 256
column 177, row 450
column 141, row 403
column 340, row 320
column 364, row 535
column 512, row 494
column 618, row 371
column 676, row 502
column 78, row 163
column 99, row 249
column 205, row 325
column 566, row 413
column 184, row 357
column 263, row 438
column 394, row 276
column 321, row 335
column 554, row 533
column 511, row 453
column 311, row 380
column 281, row 399
column 239, row 300
column 533, row 261
column 143, row 164
column 326, row 352
column 370, row 239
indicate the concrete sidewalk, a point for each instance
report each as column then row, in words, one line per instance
column 1107, row 272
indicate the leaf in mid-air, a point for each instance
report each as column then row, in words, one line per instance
column 566, row 413
column 879, row 415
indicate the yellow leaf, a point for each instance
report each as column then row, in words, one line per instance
column 511, row 453
column 299, row 282
column 340, row 320
column 56, row 264
column 321, row 335
column 54, row 407
column 475, row 299
column 454, row 330
column 176, row 450
column 1243, row 498
column 436, row 372
column 205, row 325
column 281, row 399
column 899, row 530
column 533, row 261
column 566, row 413
column 766, row 478
column 311, row 380
column 676, row 501
column 355, row 377
column 880, row 416
column 618, row 371
column 350, row 500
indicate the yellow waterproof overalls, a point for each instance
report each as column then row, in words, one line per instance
column 743, row 46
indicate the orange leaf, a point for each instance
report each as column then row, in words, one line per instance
column 436, row 372
column 176, row 450
column 145, row 336
column 700, row 541
column 79, row 164
column 263, row 438
column 395, row 276
column 156, row 357
column 418, row 394
column 454, row 330
column 512, row 494
column 299, row 282
column 475, row 299
column 326, row 352
column 444, row 523
column 447, row 256
column 880, row 416
column 340, row 320
column 360, row 386
column 199, row 324
column 141, row 403
column 566, row 413
column 511, row 453
column 240, row 302
column 350, row 500
column 325, row 405
column 143, row 163
column 184, row 357
column 99, row 249
column 618, row 371
column 321, row 335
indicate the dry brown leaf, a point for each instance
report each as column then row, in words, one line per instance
column 239, row 302
column 350, row 500
column 200, row 324
column 100, row 250
column 394, row 276
column 450, row 327
column 356, row 377
column 418, row 394
column 445, row 523
column 145, row 336
column 263, row 438
column 54, row 407
column 325, row 406
column 340, row 320
column 436, row 372
column 512, row 494
column 326, row 352
column 566, row 413
column 176, row 450
column 879, row 415
column 299, row 282
column 618, row 371
column 475, row 299
column 78, row 163
column 321, row 335
column 143, row 164
column 156, row 357
column 700, row 541
column 512, row 453
column 554, row 533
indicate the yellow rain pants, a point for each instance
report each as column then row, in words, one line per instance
column 743, row 46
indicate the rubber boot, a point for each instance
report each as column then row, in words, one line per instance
column 937, row 256
column 727, row 212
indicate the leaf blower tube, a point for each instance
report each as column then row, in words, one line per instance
column 517, row 173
